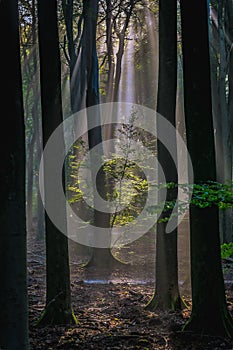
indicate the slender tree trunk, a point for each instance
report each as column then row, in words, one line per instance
column 121, row 48
column 58, row 300
column 31, row 145
column 101, row 257
column 30, row 176
column 216, row 86
column 40, row 224
column 110, row 52
column 219, row 70
column 77, row 75
column 13, row 277
column 225, row 215
column 37, row 127
column 229, row 11
column 167, row 292
column 209, row 309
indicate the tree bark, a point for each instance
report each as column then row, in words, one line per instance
column 30, row 176
column 58, row 300
column 121, row 48
column 166, row 289
column 209, row 309
column 225, row 215
column 101, row 257
column 110, row 52
column 77, row 70
column 13, row 274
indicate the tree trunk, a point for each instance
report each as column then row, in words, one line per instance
column 225, row 215
column 30, row 176
column 167, row 292
column 229, row 11
column 58, row 300
column 77, row 70
column 101, row 257
column 13, row 277
column 37, row 128
column 121, row 48
column 110, row 52
column 209, row 309
column 40, row 224
column 220, row 111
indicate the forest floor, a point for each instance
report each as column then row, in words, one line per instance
column 110, row 305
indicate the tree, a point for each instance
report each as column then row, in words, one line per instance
column 209, row 309
column 117, row 17
column 86, row 74
column 221, row 97
column 30, row 75
column 13, row 291
column 100, row 256
column 58, row 300
column 74, row 52
column 121, row 35
column 166, row 289
column 229, row 9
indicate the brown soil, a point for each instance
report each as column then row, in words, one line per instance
column 110, row 305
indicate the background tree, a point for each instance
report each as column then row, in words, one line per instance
column 100, row 256
column 13, row 291
column 72, row 49
column 221, row 96
column 30, row 76
column 209, row 309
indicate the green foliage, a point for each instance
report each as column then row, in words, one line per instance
column 212, row 193
column 227, row 250
column 125, row 182
column 127, row 185
column 201, row 195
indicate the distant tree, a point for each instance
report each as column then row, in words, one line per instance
column 101, row 257
column 229, row 24
column 166, row 287
column 209, row 309
column 13, row 278
column 30, row 76
column 221, row 47
column 115, row 17
column 58, row 300
column 73, row 53
column 85, row 81
column 121, row 32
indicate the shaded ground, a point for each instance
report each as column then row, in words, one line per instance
column 110, row 305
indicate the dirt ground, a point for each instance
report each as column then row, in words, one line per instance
column 110, row 305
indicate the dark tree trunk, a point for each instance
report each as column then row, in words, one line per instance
column 13, row 291
column 101, row 257
column 219, row 70
column 209, row 309
column 167, row 292
column 110, row 52
column 229, row 11
column 58, row 301
column 77, row 70
column 225, row 215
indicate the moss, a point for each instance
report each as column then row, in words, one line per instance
column 55, row 315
